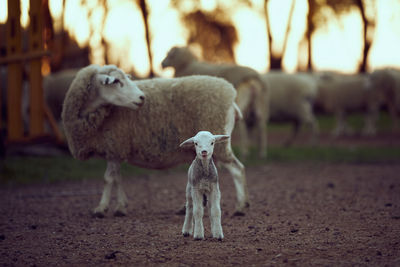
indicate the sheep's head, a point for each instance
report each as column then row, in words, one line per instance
column 177, row 57
column 116, row 87
column 204, row 142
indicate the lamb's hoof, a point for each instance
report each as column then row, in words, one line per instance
column 186, row 234
column 198, row 238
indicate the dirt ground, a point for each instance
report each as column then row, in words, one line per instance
column 302, row 214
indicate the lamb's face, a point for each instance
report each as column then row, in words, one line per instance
column 118, row 89
column 204, row 142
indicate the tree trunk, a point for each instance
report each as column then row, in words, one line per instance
column 367, row 43
column 310, row 30
column 143, row 8
column 276, row 60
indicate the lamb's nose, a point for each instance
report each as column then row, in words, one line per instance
column 142, row 98
column 204, row 153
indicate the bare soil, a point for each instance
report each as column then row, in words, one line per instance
column 302, row 214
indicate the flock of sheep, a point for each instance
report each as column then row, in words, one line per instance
column 143, row 122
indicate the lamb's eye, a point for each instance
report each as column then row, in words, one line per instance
column 116, row 81
column 212, row 143
column 195, row 144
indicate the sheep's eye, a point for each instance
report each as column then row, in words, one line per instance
column 212, row 143
column 195, row 144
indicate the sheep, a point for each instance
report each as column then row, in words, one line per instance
column 388, row 82
column 252, row 95
column 107, row 115
column 203, row 185
column 341, row 94
column 291, row 99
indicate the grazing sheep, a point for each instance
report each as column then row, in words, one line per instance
column 291, row 99
column 388, row 82
column 202, row 186
column 342, row 94
column 107, row 115
column 252, row 95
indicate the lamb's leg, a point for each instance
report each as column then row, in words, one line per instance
column 122, row 200
column 237, row 171
column 215, row 212
column 187, row 228
column 198, row 212
column 371, row 118
column 109, row 177
column 341, row 124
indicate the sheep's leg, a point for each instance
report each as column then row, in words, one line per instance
column 187, row 228
column 215, row 212
column 243, row 100
column 237, row 171
column 122, row 200
column 109, row 177
column 198, row 212
column 394, row 115
column 371, row 118
column 341, row 125
column 295, row 132
column 262, row 116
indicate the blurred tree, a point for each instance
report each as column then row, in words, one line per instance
column 276, row 59
column 145, row 14
column 339, row 7
column 216, row 38
column 212, row 30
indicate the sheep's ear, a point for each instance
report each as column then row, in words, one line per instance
column 221, row 138
column 188, row 143
column 105, row 79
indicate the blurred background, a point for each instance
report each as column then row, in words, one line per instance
column 342, row 36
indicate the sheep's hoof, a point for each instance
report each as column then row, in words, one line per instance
column 119, row 213
column 186, row 234
column 241, row 211
column 198, row 238
column 98, row 214
column 181, row 211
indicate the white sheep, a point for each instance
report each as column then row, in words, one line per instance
column 202, row 186
column 341, row 94
column 105, row 114
column 291, row 100
column 252, row 95
column 387, row 81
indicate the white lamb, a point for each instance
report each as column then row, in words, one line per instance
column 202, row 186
column 107, row 115
column 291, row 100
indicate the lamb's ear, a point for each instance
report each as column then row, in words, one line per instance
column 221, row 138
column 105, row 79
column 188, row 143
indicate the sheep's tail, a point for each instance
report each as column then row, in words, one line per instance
column 238, row 112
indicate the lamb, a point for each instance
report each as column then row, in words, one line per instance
column 105, row 114
column 252, row 95
column 341, row 94
column 291, row 99
column 388, row 82
column 203, row 185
